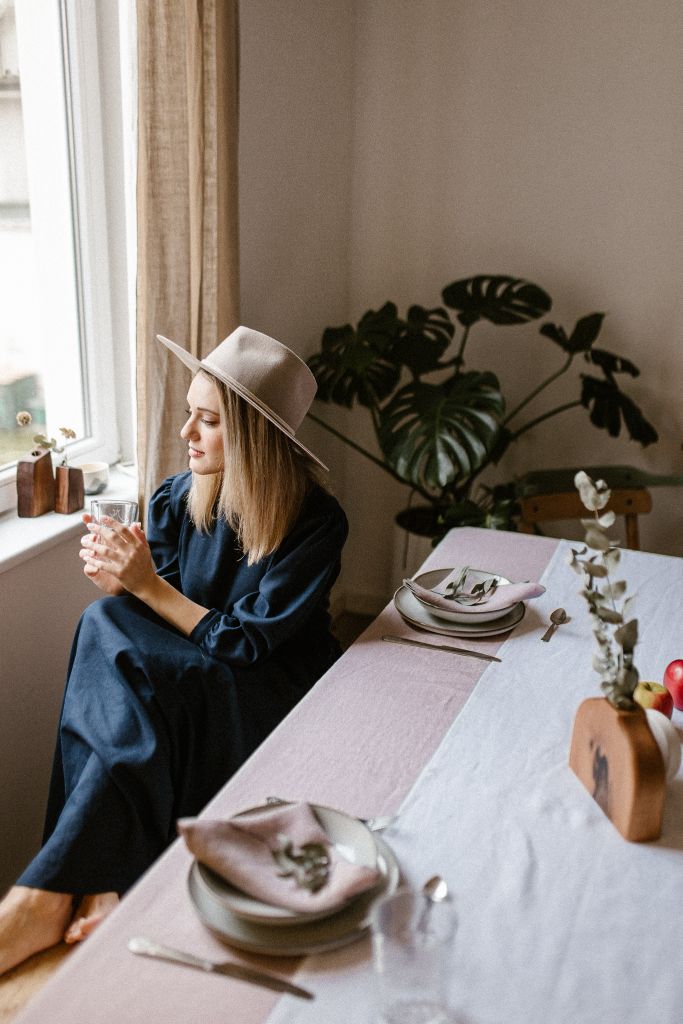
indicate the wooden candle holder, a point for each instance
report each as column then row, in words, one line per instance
column 617, row 759
column 35, row 485
column 70, row 494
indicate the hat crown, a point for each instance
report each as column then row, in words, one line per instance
column 266, row 371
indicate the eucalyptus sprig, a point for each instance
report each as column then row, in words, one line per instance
column 308, row 864
column 455, row 590
column 616, row 635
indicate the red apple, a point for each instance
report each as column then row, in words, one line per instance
column 654, row 695
column 673, row 680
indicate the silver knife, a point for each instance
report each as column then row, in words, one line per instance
column 440, row 647
column 145, row 947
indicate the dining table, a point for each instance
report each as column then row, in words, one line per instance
column 560, row 920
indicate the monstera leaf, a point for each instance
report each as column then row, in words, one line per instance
column 608, row 406
column 581, row 338
column 611, row 364
column 437, row 435
column 424, row 339
column 358, row 365
column 500, row 299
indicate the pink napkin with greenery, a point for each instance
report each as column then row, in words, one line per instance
column 503, row 595
column 279, row 854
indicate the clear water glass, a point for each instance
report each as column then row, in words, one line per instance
column 413, row 958
column 124, row 512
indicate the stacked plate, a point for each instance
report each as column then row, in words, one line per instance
column 471, row 620
column 249, row 924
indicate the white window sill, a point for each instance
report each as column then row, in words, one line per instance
column 22, row 539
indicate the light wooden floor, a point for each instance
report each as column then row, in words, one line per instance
column 21, row 984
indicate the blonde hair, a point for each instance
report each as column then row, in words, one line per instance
column 262, row 485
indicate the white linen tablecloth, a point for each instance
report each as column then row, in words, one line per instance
column 561, row 921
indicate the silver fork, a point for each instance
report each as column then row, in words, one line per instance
column 376, row 824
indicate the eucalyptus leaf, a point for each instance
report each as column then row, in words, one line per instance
column 627, row 635
column 594, row 569
column 593, row 495
column 597, row 539
column 606, row 614
column 612, row 558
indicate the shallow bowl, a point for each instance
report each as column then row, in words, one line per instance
column 474, row 613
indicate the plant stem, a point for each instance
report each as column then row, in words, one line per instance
column 368, row 455
column 545, row 416
column 460, row 358
column 541, row 387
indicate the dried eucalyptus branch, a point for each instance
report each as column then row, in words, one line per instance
column 308, row 865
column 616, row 635
column 456, row 589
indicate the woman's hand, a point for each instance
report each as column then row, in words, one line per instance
column 120, row 554
column 107, row 583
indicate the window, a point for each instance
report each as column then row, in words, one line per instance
column 57, row 352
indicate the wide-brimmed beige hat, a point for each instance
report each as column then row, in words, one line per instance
column 263, row 372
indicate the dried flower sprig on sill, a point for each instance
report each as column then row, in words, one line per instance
column 616, row 635
column 24, row 419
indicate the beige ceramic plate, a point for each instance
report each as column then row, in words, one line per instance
column 417, row 615
column 299, row 939
column 351, row 837
column 464, row 616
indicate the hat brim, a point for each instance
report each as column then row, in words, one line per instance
column 194, row 364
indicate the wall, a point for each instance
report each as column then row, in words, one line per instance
column 296, row 120
column 40, row 603
column 539, row 140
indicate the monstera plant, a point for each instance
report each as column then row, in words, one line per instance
column 439, row 424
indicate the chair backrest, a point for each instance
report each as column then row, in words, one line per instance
column 629, row 502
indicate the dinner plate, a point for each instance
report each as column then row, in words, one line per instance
column 347, row 925
column 417, row 615
column 473, row 613
column 353, row 841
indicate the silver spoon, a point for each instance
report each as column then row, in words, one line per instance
column 557, row 618
column 435, row 890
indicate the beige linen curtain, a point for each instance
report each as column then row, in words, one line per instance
column 187, row 263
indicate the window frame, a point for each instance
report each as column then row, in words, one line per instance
column 64, row 35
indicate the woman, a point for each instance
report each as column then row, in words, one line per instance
column 214, row 625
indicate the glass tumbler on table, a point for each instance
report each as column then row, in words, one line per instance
column 124, row 512
column 412, row 943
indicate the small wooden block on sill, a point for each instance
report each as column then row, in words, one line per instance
column 35, row 485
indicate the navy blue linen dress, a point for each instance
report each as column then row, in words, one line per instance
column 154, row 722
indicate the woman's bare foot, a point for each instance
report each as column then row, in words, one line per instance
column 89, row 912
column 31, row 920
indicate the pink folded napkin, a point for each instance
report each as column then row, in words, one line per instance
column 505, row 594
column 240, row 850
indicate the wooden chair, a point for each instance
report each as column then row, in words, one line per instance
column 550, row 495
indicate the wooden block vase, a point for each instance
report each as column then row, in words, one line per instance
column 616, row 757
column 35, row 485
column 70, row 494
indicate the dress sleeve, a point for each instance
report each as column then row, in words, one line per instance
column 163, row 532
column 298, row 579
